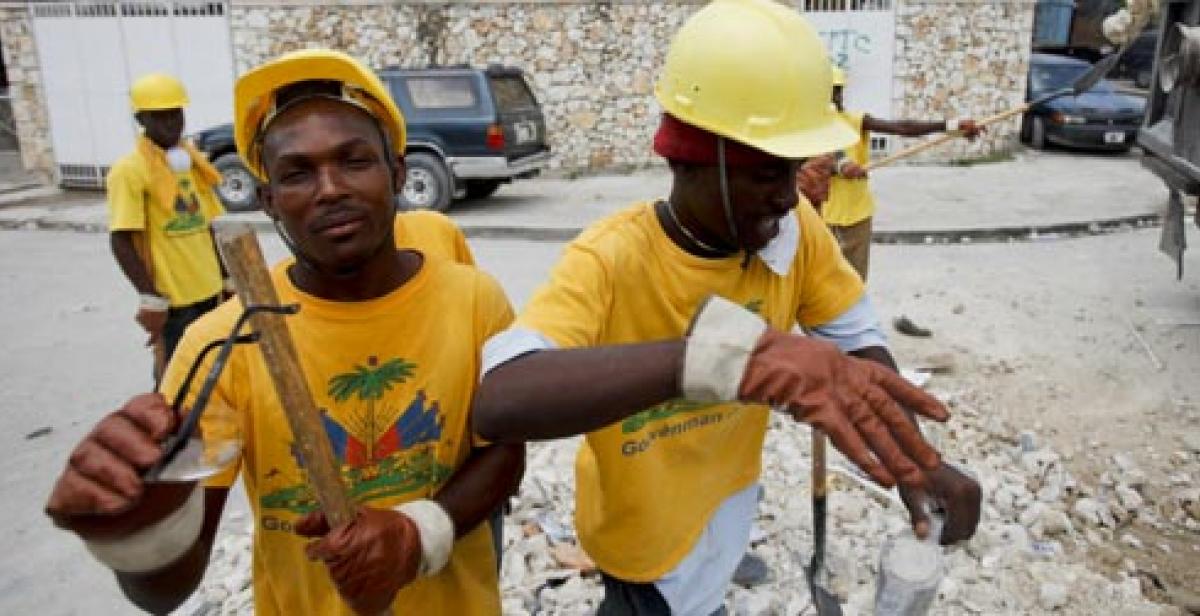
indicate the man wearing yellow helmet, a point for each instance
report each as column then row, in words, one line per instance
column 390, row 341
column 850, row 207
column 661, row 333
column 161, row 201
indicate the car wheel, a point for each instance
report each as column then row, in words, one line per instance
column 238, row 188
column 1025, row 128
column 1037, row 133
column 481, row 189
column 426, row 184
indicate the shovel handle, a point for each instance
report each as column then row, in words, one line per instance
column 820, row 484
column 932, row 143
column 244, row 258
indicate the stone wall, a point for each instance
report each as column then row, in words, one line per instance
column 962, row 58
column 30, row 115
column 592, row 64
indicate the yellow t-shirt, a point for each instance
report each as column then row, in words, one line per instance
column 646, row 486
column 183, row 260
column 850, row 201
column 393, row 378
column 434, row 234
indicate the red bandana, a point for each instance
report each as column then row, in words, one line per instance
column 685, row 143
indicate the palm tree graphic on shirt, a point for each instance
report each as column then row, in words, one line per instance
column 383, row 450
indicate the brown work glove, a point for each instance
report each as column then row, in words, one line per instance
column 970, row 129
column 369, row 559
column 851, row 170
column 732, row 355
column 856, row 402
column 813, row 179
column 101, row 497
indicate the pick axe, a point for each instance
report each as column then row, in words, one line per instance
column 1082, row 84
column 244, row 258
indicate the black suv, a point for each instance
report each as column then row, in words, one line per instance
column 469, row 131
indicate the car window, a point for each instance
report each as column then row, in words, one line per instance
column 511, row 92
column 441, row 92
column 1048, row 77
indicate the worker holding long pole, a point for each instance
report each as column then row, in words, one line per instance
column 388, row 340
column 850, row 207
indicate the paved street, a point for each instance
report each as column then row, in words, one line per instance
column 1057, row 313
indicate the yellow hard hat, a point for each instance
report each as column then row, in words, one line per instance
column 839, row 76
column 756, row 72
column 254, row 97
column 157, row 91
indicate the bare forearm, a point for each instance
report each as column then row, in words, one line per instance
column 162, row 591
column 123, row 249
column 562, row 392
column 481, row 485
column 904, row 128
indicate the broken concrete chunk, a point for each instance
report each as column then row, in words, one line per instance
column 1052, row 596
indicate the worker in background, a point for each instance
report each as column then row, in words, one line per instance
column 850, row 207
column 161, row 203
column 389, row 337
column 662, row 334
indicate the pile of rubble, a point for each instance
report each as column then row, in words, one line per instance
column 1039, row 529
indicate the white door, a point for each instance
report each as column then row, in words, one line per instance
column 91, row 52
column 860, row 36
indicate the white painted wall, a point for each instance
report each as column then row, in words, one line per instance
column 90, row 54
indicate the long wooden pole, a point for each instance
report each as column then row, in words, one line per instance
column 244, row 258
column 932, row 143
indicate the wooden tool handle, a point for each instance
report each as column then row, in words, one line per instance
column 932, row 143
column 246, row 265
column 819, row 483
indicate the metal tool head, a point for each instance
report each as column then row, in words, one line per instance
column 1089, row 79
column 825, row 602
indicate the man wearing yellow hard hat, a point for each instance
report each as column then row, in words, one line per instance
column 160, row 203
column 661, row 334
column 389, row 338
column 850, row 206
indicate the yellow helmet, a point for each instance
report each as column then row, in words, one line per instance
column 839, row 76
column 254, row 97
column 756, row 72
column 157, row 91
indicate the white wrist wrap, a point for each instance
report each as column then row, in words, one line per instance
column 952, row 125
column 719, row 344
column 157, row 545
column 152, row 302
column 436, row 530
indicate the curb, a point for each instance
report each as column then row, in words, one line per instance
column 564, row 234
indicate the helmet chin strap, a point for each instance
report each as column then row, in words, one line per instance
column 727, row 202
column 301, row 258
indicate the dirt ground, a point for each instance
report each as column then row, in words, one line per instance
column 1042, row 335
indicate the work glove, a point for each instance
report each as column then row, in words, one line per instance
column 851, row 170
column 128, row 524
column 731, row 355
column 152, row 316
column 968, row 128
column 813, row 179
column 370, row 559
